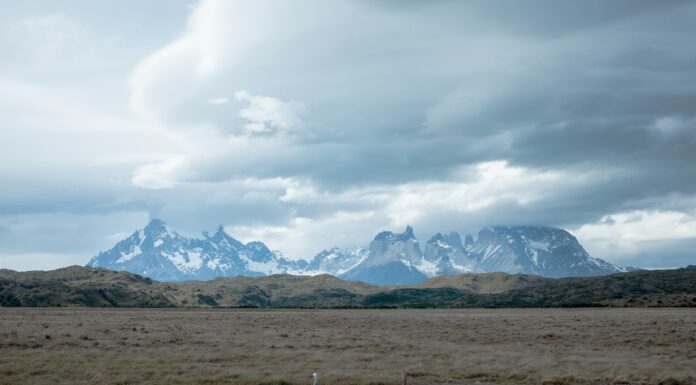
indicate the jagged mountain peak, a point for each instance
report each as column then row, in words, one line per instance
column 446, row 255
column 155, row 227
column 452, row 240
column 222, row 239
column 388, row 235
column 158, row 252
column 408, row 232
column 391, row 257
column 384, row 235
column 258, row 252
column 162, row 254
column 219, row 232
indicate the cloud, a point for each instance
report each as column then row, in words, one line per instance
column 670, row 125
column 509, row 96
column 446, row 115
column 656, row 236
column 45, row 36
column 490, row 193
column 267, row 114
column 552, row 122
column 47, row 240
column 38, row 261
column 157, row 176
column 641, row 225
column 220, row 100
column 298, row 236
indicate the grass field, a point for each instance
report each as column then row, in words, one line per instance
column 203, row 346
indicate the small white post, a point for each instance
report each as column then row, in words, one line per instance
column 316, row 378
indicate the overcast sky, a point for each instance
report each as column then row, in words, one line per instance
column 311, row 124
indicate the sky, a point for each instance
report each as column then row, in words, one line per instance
column 309, row 124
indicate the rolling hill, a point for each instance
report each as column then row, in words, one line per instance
column 85, row 286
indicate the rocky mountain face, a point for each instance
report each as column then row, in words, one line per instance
column 540, row 250
column 161, row 254
column 337, row 261
column 390, row 259
column 396, row 259
column 449, row 254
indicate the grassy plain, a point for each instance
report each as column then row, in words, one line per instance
column 244, row 346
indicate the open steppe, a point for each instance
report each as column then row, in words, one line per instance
column 244, row 346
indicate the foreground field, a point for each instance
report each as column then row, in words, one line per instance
column 199, row 346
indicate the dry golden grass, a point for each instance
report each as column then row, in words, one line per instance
column 485, row 282
column 227, row 292
column 205, row 346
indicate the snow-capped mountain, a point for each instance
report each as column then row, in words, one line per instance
column 540, row 250
column 397, row 259
column 392, row 258
column 449, row 255
column 161, row 254
column 337, row 261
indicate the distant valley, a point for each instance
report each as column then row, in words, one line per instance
column 390, row 259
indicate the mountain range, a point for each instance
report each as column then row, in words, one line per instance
column 165, row 255
column 391, row 258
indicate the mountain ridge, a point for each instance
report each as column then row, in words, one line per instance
column 159, row 253
column 391, row 258
column 95, row 287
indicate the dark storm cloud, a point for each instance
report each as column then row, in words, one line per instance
column 590, row 88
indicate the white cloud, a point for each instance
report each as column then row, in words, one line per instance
column 353, row 216
column 269, row 114
column 411, row 116
column 71, row 137
column 493, row 182
column 221, row 40
column 641, row 225
column 627, row 234
column 304, row 237
column 158, row 81
column 158, row 175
